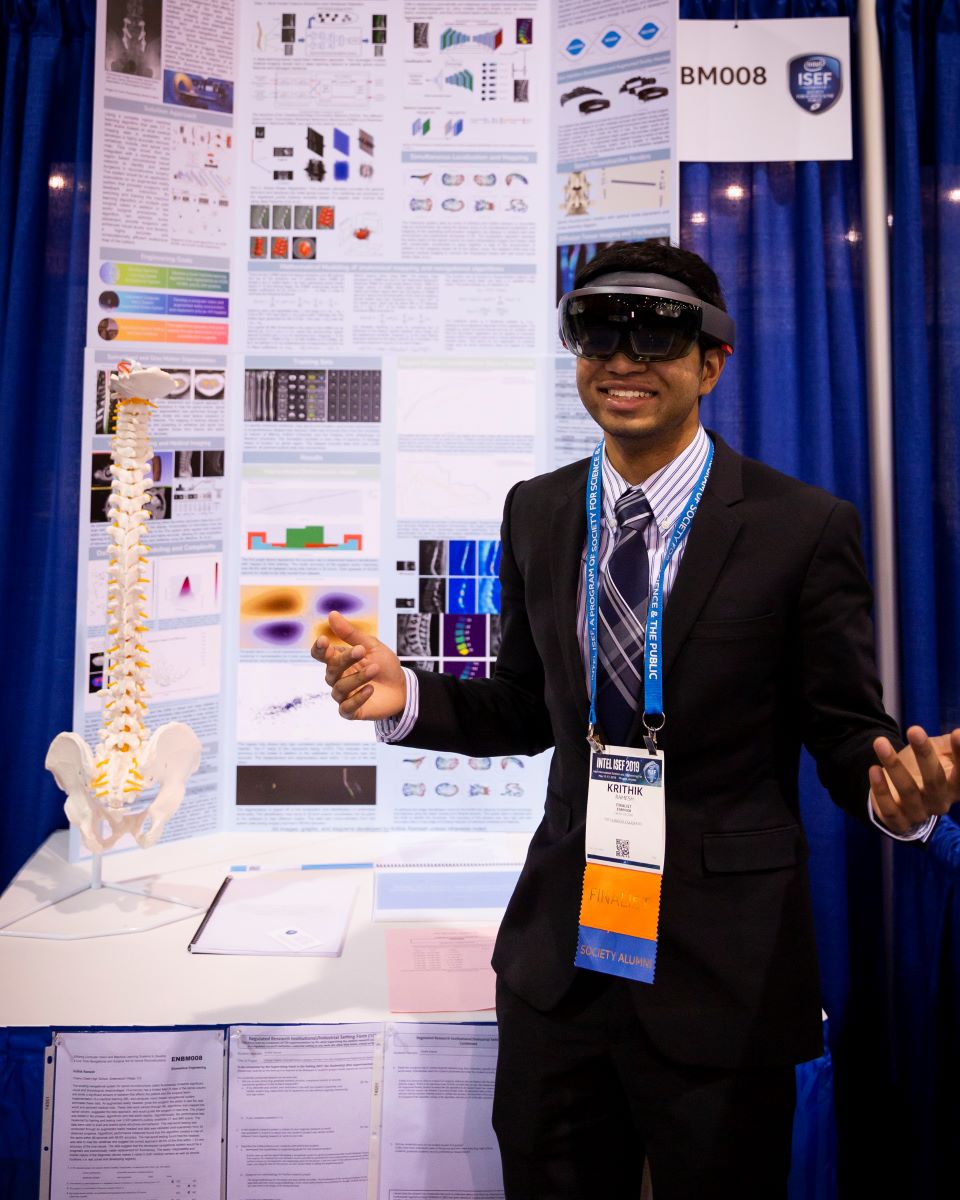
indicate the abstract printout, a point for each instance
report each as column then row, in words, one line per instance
column 342, row 231
column 137, row 1114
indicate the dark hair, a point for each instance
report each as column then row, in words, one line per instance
column 657, row 259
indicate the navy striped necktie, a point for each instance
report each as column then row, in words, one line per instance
column 624, row 588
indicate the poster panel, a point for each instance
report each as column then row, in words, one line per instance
column 343, row 232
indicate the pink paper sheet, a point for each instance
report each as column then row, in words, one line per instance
column 440, row 970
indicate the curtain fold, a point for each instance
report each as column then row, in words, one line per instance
column 46, row 91
column 786, row 240
column 791, row 245
column 921, row 48
column 21, row 1110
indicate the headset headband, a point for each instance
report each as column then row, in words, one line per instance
column 715, row 323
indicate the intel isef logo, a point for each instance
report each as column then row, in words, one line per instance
column 815, row 81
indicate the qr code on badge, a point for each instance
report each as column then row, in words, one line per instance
column 623, row 847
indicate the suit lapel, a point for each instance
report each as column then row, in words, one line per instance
column 713, row 532
column 568, row 533
column 711, row 536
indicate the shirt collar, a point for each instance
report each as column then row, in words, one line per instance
column 667, row 490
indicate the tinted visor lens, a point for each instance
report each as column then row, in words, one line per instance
column 600, row 324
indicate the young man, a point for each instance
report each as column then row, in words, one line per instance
column 766, row 645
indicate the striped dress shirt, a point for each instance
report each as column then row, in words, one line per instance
column 667, row 492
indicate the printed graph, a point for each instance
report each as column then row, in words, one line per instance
column 466, row 487
column 466, row 396
column 306, row 537
column 317, row 515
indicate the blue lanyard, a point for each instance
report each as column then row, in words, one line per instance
column 652, row 645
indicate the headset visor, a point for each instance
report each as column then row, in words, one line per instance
column 596, row 323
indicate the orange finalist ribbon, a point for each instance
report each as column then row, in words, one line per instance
column 619, row 915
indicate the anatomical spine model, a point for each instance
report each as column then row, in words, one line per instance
column 101, row 787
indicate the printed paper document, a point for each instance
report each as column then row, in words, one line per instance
column 300, row 1110
column 437, row 1095
column 137, row 1114
column 440, row 970
column 278, row 912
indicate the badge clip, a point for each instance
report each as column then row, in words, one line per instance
column 650, row 737
column 594, row 739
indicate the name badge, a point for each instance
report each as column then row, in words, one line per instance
column 626, row 814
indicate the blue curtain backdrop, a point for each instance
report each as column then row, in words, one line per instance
column 785, row 239
column 921, row 49
column 46, row 92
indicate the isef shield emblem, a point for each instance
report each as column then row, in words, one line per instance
column 815, row 81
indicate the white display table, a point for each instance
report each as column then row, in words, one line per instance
column 149, row 978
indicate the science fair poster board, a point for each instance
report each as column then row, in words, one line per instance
column 343, row 231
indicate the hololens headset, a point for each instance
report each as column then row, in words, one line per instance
column 644, row 316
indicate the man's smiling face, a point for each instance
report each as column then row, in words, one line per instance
column 648, row 405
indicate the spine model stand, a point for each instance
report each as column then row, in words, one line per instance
column 104, row 789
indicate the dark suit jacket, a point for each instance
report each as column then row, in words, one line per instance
column 768, row 644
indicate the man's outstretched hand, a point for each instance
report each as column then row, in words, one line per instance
column 922, row 781
column 365, row 677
